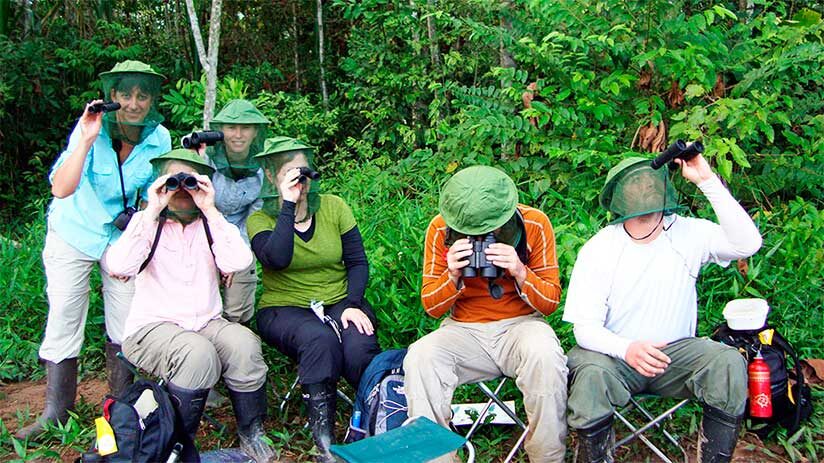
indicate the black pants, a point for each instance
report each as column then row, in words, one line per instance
column 299, row 333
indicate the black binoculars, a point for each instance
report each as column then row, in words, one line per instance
column 306, row 172
column 104, row 107
column 480, row 266
column 206, row 137
column 677, row 150
column 188, row 181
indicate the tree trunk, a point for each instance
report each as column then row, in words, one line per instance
column 506, row 29
column 434, row 54
column 416, row 37
column 208, row 59
column 296, row 42
column 320, row 55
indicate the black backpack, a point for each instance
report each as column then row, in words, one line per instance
column 791, row 405
column 151, row 439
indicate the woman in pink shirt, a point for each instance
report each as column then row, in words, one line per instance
column 176, row 249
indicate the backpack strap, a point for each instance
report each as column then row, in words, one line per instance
column 799, row 373
column 208, row 234
column 161, row 219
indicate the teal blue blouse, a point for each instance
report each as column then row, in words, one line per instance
column 84, row 218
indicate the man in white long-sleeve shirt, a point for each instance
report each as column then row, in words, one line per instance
column 633, row 302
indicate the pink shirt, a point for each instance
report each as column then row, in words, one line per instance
column 180, row 284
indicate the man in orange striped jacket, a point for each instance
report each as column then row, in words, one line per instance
column 496, row 326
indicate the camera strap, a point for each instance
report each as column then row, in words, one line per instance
column 161, row 220
column 117, row 145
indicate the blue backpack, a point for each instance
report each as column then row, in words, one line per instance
column 380, row 403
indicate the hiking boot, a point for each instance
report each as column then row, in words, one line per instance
column 61, row 388
column 595, row 442
column 250, row 411
column 717, row 436
column 189, row 405
column 321, row 404
column 118, row 374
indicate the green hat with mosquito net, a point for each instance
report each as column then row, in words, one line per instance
column 633, row 188
column 244, row 131
column 276, row 153
column 136, row 86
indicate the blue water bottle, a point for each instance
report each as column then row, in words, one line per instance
column 356, row 416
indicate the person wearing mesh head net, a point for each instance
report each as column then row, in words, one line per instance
column 495, row 327
column 314, row 277
column 237, row 180
column 633, row 303
column 95, row 183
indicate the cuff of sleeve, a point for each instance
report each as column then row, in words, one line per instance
column 288, row 208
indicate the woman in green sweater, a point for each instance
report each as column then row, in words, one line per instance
column 314, row 276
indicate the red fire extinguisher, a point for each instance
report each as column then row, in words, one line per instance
column 759, row 388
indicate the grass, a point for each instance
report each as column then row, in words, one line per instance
column 393, row 204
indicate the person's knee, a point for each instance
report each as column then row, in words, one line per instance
column 195, row 363
column 593, row 391
column 727, row 378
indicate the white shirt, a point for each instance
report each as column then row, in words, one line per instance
column 622, row 291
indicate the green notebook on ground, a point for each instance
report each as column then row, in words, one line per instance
column 417, row 442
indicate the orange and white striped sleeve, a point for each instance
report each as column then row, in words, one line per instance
column 542, row 287
column 438, row 293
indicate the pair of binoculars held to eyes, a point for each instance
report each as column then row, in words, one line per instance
column 306, row 172
column 678, row 150
column 181, row 179
column 479, row 265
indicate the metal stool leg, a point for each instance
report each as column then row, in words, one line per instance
column 492, row 397
column 639, row 432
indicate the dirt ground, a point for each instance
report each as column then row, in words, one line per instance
column 29, row 396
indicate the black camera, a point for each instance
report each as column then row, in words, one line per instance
column 206, row 137
column 188, row 181
column 122, row 219
column 104, row 107
column 306, row 172
column 480, row 266
column 677, row 150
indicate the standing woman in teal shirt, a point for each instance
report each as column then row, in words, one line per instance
column 96, row 183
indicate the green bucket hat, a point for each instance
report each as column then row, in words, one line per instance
column 182, row 155
column 240, row 112
column 132, row 66
column 478, row 200
column 633, row 188
column 283, row 145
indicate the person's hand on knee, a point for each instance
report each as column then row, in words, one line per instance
column 646, row 358
column 358, row 318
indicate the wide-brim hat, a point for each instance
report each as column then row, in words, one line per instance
column 478, row 200
column 240, row 112
column 184, row 155
column 131, row 66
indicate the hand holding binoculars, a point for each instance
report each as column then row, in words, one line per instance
column 678, row 150
column 480, row 266
column 306, row 172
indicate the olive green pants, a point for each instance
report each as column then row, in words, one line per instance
column 702, row 369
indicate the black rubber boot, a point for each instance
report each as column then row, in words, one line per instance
column 595, row 442
column 250, row 411
column 189, row 404
column 321, row 403
column 61, row 388
column 118, row 374
column 717, row 436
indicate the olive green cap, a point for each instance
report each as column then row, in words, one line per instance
column 132, row 66
column 185, row 155
column 612, row 177
column 478, row 200
column 279, row 145
column 240, row 112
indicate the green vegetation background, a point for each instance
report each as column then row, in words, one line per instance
column 419, row 89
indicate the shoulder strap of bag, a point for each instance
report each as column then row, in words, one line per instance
column 799, row 373
column 161, row 219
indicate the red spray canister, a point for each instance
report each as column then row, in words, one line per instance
column 759, row 388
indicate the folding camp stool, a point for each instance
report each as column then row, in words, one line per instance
column 288, row 396
column 654, row 421
column 494, row 398
column 418, row 440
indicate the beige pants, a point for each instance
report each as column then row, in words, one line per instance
column 67, row 287
column 524, row 348
column 239, row 299
column 197, row 359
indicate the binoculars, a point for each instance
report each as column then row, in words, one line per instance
column 188, row 181
column 480, row 266
column 206, row 137
column 677, row 150
column 104, row 107
column 122, row 220
column 306, row 172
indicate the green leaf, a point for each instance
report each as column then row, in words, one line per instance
column 694, row 90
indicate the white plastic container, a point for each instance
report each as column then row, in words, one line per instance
column 746, row 314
